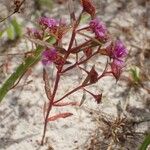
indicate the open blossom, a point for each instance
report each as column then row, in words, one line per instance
column 51, row 55
column 119, row 52
column 116, row 50
column 48, row 22
column 98, row 27
column 48, row 56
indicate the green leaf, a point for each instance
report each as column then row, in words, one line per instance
column 17, row 27
column 28, row 62
column 135, row 74
column 51, row 40
column 10, row 32
column 145, row 143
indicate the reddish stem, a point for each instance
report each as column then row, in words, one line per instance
column 69, row 93
column 50, row 105
column 79, row 63
column 78, row 48
column 58, row 77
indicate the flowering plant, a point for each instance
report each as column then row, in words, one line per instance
column 96, row 42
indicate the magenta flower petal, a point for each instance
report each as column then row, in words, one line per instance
column 48, row 22
column 45, row 62
column 119, row 63
column 120, row 50
column 117, row 53
column 98, row 27
column 48, row 56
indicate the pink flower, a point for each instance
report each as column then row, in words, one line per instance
column 98, row 27
column 34, row 33
column 48, row 56
column 120, row 50
column 116, row 50
column 48, row 22
column 119, row 63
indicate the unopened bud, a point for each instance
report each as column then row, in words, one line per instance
column 88, row 7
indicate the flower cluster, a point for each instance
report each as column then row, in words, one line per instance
column 99, row 28
column 49, row 56
column 116, row 50
column 118, row 54
column 48, row 22
column 32, row 32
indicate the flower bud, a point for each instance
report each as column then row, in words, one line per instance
column 88, row 7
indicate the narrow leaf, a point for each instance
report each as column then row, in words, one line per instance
column 58, row 116
column 51, row 40
column 45, row 43
column 44, row 110
column 47, row 85
column 97, row 97
column 66, row 104
column 92, row 76
column 29, row 61
column 145, row 143
column 135, row 74
column 10, row 32
column 17, row 28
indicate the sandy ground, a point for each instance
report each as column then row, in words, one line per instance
column 21, row 112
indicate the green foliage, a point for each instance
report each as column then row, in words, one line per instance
column 135, row 74
column 13, row 30
column 51, row 40
column 28, row 62
column 10, row 32
column 145, row 143
column 17, row 28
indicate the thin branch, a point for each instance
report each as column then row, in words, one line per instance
column 15, row 11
